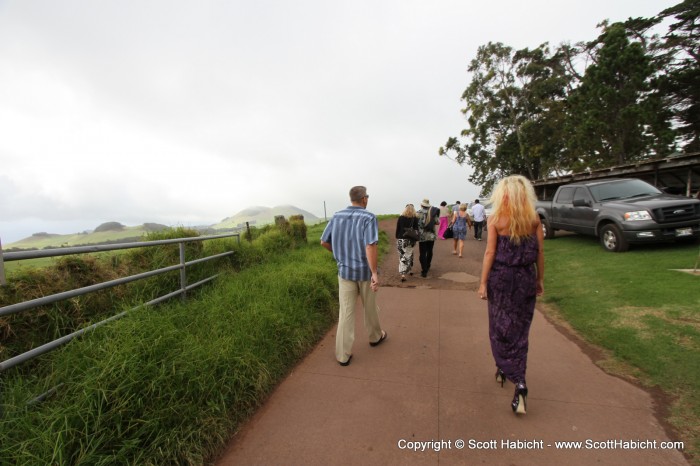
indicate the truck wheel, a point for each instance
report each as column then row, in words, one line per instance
column 547, row 229
column 612, row 240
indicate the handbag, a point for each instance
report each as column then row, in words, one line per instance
column 411, row 232
column 448, row 233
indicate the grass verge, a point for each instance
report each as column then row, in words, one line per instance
column 168, row 386
column 644, row 314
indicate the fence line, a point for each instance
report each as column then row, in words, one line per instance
column 26, row 305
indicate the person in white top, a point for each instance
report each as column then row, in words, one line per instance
column 479, row 218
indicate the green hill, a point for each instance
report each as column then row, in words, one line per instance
column 258, row 216
column 104, row 233
column 116, row 232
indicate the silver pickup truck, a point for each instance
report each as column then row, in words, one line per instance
column 620, row 212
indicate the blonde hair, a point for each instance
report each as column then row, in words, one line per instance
column 409, row 211
column 514, row 199
column 463, row 207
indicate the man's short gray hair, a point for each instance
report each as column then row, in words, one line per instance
column 357, row 193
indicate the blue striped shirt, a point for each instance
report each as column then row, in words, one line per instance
column 349, row 232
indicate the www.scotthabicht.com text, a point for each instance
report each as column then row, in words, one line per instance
column 536, row 444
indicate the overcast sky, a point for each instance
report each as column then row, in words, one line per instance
column 186, row 112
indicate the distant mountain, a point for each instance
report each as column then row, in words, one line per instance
column 109, row 232
column 116, row 232
column 258, row 216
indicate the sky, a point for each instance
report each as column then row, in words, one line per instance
column 185, row 112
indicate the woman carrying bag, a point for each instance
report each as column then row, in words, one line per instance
column 406, row 237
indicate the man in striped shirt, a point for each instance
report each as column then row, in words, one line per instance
column 352, row 236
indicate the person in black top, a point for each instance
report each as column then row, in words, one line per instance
column 407, row 222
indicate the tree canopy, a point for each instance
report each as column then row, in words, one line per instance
column 627, row 95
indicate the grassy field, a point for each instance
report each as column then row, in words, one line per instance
column 55, row 241
column 15, row 267
column 642, row 312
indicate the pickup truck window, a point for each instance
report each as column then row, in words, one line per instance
column 623, row 189
column 582, row 194
column 565, row 196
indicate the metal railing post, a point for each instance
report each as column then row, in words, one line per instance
column 183, row 272
column 2, row 267
column 2, row 283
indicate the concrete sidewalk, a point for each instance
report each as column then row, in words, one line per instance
column 431, row 385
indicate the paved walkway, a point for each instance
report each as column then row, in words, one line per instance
column 431, row 385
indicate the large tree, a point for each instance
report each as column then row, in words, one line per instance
column 514, row 109
column 615, row 115
column 628, row 95
column 681, row 61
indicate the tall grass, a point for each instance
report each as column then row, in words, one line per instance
column 23, row 331
column 639, row 309
column 169, row 385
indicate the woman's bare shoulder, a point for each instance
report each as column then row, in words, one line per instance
column 502, row 225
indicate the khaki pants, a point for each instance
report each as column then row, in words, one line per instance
column 348, row 291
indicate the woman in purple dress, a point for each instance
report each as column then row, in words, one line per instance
column 511, row 279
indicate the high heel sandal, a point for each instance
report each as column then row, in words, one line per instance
column 519, row 403
column 500, row 376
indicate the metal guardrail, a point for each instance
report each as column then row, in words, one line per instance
column 23, row 306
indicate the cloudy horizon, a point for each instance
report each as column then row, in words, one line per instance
column 184, row 113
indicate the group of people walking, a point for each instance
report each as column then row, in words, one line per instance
column 418, row 226
column 477, row 220
column 511, row 279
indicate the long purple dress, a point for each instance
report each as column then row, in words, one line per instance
column 512, row 293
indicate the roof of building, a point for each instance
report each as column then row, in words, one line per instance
column 677, row 174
